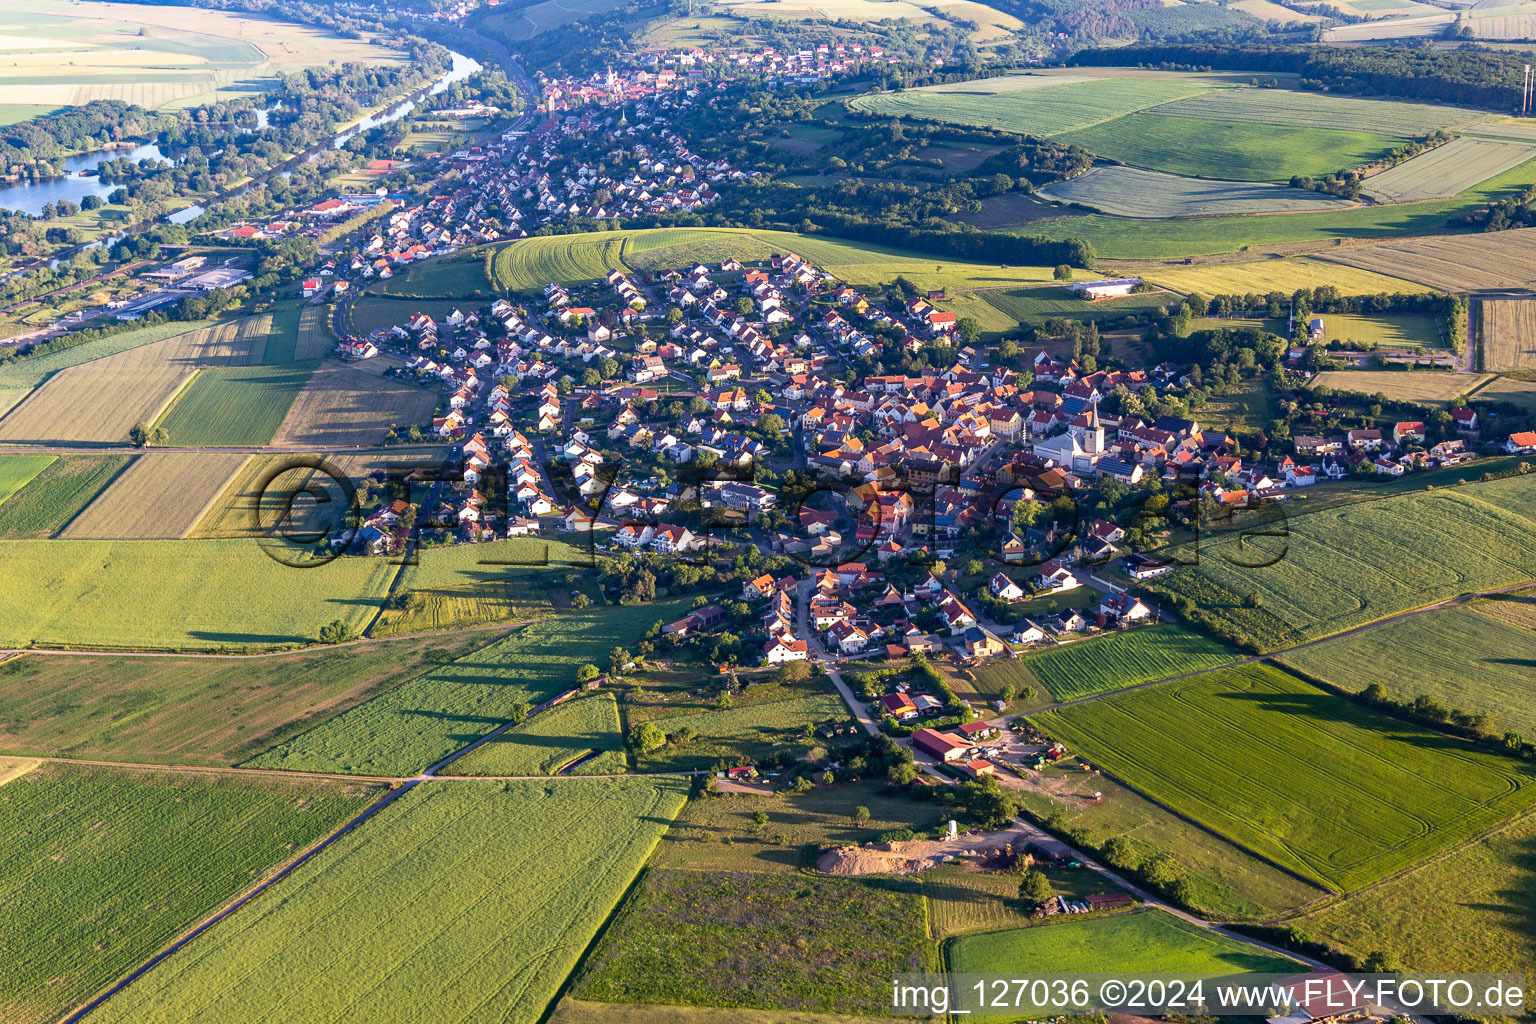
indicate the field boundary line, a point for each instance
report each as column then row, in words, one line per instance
column 384, row 800
column 165, row 407
column 212, row 500
column 206, row 769
column 59, row 533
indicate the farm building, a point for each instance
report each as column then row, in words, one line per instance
column 978, row 769
column 1107, row 289
column 939, row 744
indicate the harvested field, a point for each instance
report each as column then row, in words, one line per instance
column 1131, row 192
column 343, row 405
column 1427, row 387
column 234, row 512
column 1447, row 170
column 316, row 339
column 1507, row 329
column 161, row 496
column 72, row 53
column 1285, row 275
column 1308, row 779
column 26, row 374
column 1453, row 263
column 1507, row 389
column 1316, row 110
column 130, row 387
column 52, row 497
column 448, row 907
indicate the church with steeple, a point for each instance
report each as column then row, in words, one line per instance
column 1080, row 448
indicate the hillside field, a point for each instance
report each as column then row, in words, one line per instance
column 448, row 901
column 161, row 495
column 1447, row 169
column 1337, row 567
column 1453, row 263
column 1033, row 104
column 1464, row 659
column 1314, row 110
column 1130, row 192
column 1122, row 659
column 1230, row 150
column 528, row 264
column 199, row 710
column 72, row 53
column 102, row 867
column 417, row 724
column 1311, row 781
column 193, row 595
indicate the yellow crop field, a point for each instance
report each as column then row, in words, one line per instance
column 344, row 405
column 1428, row 387
column 54, row 52
column 1282, row 275
column 161, row 496
column 232, row 513
column 1508, row 334
column 99, row 402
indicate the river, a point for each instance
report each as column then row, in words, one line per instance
column 462, row 68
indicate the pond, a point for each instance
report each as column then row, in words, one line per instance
column 29, row 197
